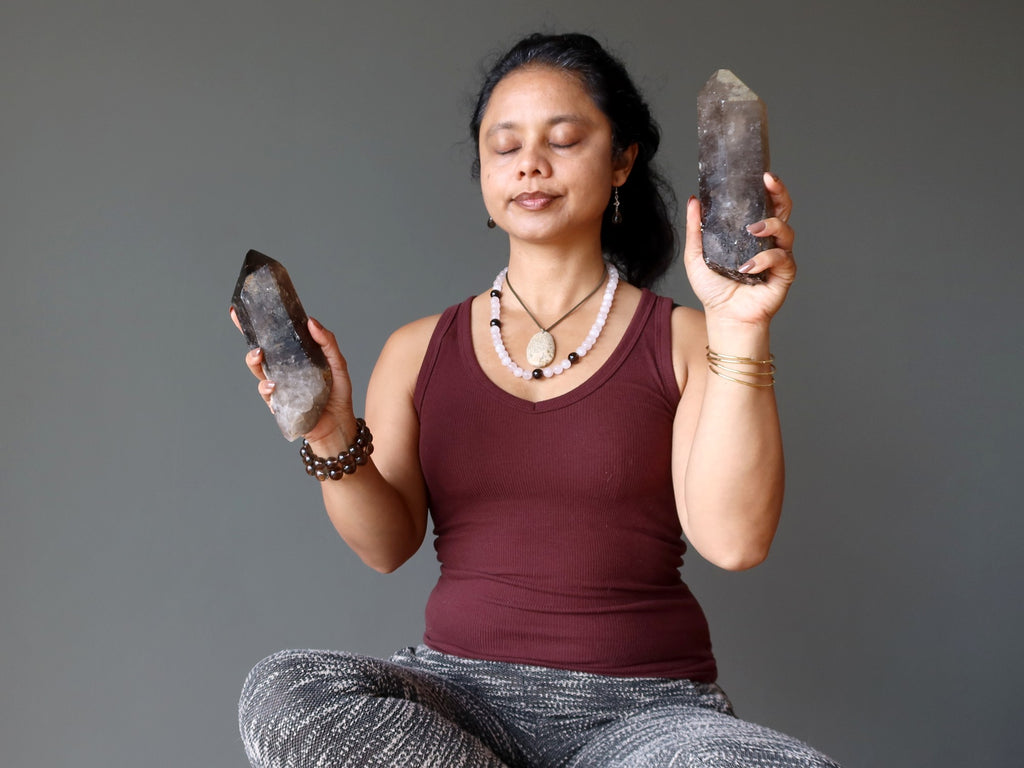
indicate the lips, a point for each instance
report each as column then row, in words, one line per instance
column 534, row 201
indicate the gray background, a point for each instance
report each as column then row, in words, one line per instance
column 157, row 535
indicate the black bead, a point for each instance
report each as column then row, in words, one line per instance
column 495, row 293
column 537, row 373
column 496, row 323
column 574, row 358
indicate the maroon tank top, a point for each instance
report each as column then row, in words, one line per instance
column 555, row 522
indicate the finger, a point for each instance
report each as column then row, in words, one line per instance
column 779, row 261
column 254, row 362
column 693, row 247
column 329, row 344
column 782, row 203
column 265, row 389
column 774, row 227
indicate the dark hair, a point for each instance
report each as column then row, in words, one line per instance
column 643, row 245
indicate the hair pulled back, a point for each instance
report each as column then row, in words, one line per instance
column 643, row 245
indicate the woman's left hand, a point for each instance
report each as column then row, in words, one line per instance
column 734, row 301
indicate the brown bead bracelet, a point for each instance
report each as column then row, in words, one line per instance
column 345, row 463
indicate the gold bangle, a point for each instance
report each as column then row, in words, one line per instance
column 715, row 357
column 766, row 385
column 769, row 372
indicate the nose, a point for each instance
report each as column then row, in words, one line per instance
column 533, row 161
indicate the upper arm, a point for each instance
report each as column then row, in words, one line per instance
column 689, row 338
column 391, row 413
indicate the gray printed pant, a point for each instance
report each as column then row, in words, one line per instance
column 426, row 709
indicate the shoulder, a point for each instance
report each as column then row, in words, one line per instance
column 406, row 347
column 689, row 339
column 688, row 328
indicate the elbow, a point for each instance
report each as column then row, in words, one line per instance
column 740, row 560
column 383, row 564
column 737, row 554
column 387, row 560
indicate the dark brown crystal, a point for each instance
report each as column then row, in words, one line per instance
column 272, row 318
column 732, row 138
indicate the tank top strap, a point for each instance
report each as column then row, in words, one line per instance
column 444, row 323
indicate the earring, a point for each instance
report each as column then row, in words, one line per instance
column 490, row 223
column 617, row 216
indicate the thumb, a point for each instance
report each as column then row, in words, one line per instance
column 693, row 247
column 329, row 344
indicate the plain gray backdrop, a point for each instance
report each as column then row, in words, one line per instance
column 158, row 536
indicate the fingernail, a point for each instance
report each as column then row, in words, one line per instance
column 748, row 266
column 756, row 228
column 255, row 352
column 692, row 198
column 314, row 322
column 271, row 385
column 775, row 176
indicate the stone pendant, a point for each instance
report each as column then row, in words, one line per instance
column 732, row 131
column 541, row 349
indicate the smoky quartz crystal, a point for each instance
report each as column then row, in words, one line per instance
column 732, row 138
column 272, row 318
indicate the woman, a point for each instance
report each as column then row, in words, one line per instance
column 564, row 428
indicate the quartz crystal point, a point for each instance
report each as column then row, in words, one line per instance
column 732, row 139
column 272, row 318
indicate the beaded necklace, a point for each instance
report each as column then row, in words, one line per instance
column 573, row 357
column 541, row 349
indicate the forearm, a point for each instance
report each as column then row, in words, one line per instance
column 735, row 472
column 371, row 515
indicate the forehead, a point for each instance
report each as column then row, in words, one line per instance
column 539, row 93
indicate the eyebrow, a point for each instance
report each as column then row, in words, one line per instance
column 509, row 125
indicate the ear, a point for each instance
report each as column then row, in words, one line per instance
column 622, row 164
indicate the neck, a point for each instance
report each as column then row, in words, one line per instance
column 551, row 282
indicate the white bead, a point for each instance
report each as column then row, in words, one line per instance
column 564, row 365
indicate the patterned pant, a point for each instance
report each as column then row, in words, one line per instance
column 425, row 709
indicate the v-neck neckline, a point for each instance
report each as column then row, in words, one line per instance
column 583, row 389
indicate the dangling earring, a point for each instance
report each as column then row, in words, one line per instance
column 490, row 223
column 617, row 216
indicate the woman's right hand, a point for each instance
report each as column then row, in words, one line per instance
column 336, row 428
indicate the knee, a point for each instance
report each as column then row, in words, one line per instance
column 265, row 687
column 287, row 682
column 282, row 697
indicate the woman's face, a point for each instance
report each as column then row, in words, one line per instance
column 546, row 162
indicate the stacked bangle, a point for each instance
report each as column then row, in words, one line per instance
column 345, row 463
column 760, row 369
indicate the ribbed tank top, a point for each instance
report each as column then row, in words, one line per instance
column 555, row 522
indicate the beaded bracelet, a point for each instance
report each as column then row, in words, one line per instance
column 345, row 463
column 715, row 365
